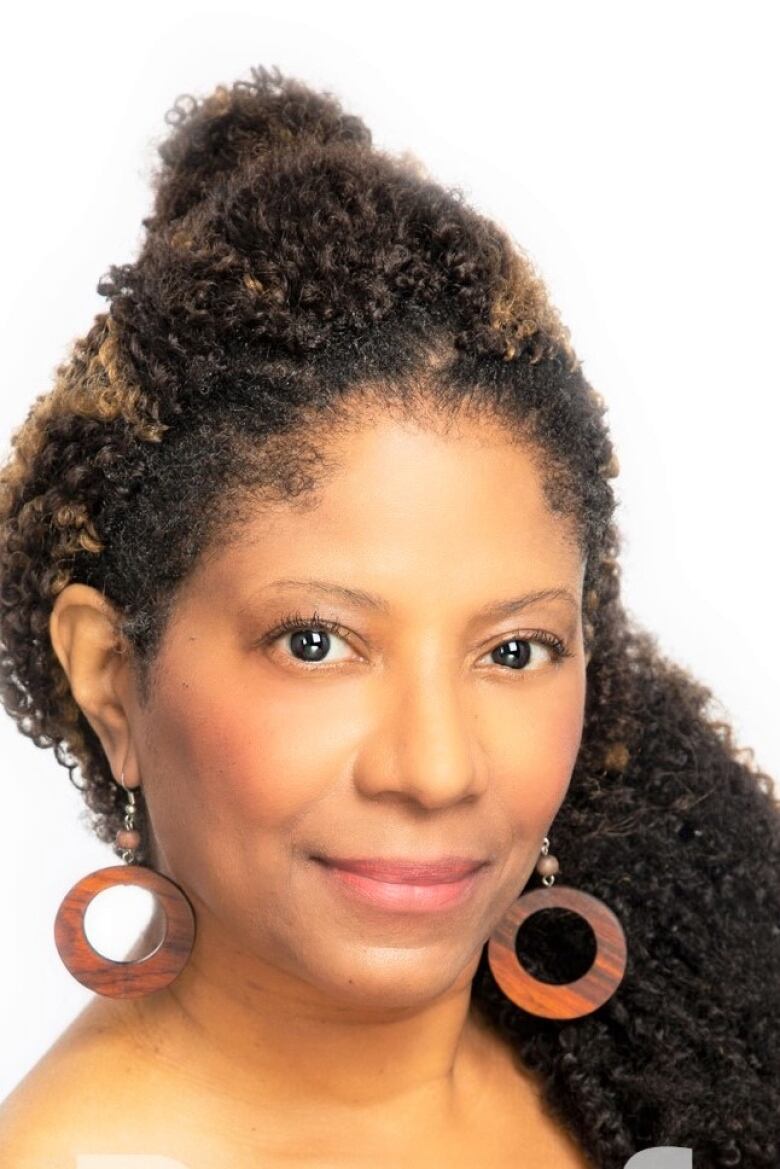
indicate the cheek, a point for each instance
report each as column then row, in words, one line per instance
column 536, row 749
column 235, row 758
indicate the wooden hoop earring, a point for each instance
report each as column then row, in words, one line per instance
column 549, row 1000
column 125, row 979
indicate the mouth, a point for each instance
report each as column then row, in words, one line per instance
column 404, row 887
column 407, row 870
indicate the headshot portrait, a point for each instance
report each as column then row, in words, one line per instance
column 315, row 619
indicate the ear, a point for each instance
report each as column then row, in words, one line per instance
column 84, row 632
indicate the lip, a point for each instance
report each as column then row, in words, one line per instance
column 407, row 870
column 404, row 896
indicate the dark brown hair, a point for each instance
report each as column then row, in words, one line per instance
column 289, row 269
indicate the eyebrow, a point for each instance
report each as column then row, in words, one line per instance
column 366, row 600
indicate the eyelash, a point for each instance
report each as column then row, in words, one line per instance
column 296, row 620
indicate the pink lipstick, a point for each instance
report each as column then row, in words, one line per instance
column 403, row 884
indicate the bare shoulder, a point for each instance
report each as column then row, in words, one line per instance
column 95, row 1095
column 59, row 1110
column 516, row 1122
column 39, row 1120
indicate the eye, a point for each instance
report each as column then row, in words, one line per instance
column 516, row 652
column 313, row 637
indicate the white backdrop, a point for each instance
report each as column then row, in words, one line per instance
column 631, row 149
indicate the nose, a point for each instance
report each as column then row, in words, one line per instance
column 427, row 748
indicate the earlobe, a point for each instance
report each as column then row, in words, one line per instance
column 87, row 644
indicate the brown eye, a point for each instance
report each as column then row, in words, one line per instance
column 516, row 652
column 310, row 638
column 311, row 644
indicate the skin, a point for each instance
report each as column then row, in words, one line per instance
column 303, row 1021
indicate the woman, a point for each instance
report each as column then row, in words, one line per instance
column 324, row 368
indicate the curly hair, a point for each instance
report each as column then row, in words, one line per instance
column 288, row 268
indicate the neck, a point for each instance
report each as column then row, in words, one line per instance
column 268, row 1042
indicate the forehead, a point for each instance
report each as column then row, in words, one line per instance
column 408, row 506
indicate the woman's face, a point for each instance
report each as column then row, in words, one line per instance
column 402, row 735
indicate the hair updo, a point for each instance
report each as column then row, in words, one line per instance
column 289, row 269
